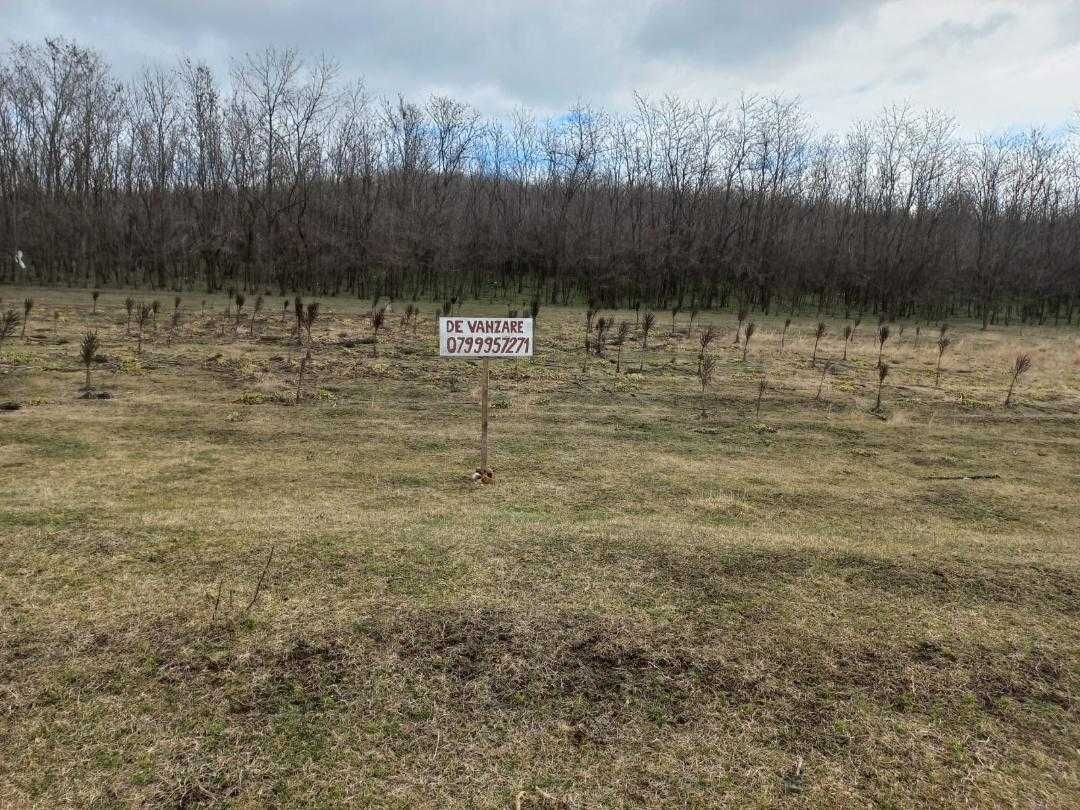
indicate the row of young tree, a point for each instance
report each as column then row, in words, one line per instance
column 284, row 177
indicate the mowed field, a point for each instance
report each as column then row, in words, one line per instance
column 210, row 595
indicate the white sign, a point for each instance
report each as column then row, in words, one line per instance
column 485, row 337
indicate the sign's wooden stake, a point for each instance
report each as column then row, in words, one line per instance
column 484, row 419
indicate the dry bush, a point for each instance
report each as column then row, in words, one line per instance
column 620, row 339
column 749, row 333
column 1021, row 366
column 819, row 333
column 943, row 343
column 88, row 350
column 9, row 322
column 883, row 372
column 705, row 377
column 647, row 321
column 883, row 335
column 28, row 306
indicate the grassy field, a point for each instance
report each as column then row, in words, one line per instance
column 211, row 595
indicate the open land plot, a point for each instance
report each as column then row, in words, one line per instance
column 212, row 595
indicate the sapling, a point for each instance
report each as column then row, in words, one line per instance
column 705, row 339
column 918, row 331
column 378, row 318
column 298, row 313
column 311, row 316
column 96, row 294
column 847, row 339
column 821, row 382
column 749, row 333
column 705, row 376
column 620, row 339
column 819, row 333
column 9, row 322
column 304, row 361
column 690, row 328
column 943, row 342
column 129, row 306
column 255, row 310
column 783, row 334
column 240, row 300
column 883, row 335
column 143, row 318
column 28, row 306
column 647, row 321
column 176, row 302
column 602, row 327
column 590, row 315
column 674, row 314
column 742, row 316
column 155, row 307
column 760, row 393
column 88, row 350
column 1020, row 367
column 883, row 372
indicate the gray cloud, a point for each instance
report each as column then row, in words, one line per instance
column 729, row 32
column 846, row 58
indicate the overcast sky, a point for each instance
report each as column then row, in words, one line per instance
column 994, row 64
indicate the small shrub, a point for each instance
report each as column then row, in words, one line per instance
column 88, row 350
column 1020, row 367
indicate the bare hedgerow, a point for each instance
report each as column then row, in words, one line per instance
column 9, row 322
column 819, row 333
column 647, row 321
column 88, row 350
column 1020, row 367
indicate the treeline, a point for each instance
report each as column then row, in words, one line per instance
column 283, row 177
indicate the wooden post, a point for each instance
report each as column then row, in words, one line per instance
column 484, row 419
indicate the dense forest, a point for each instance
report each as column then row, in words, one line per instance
column 283, row 176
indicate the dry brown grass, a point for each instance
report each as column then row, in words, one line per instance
column 648, row 607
